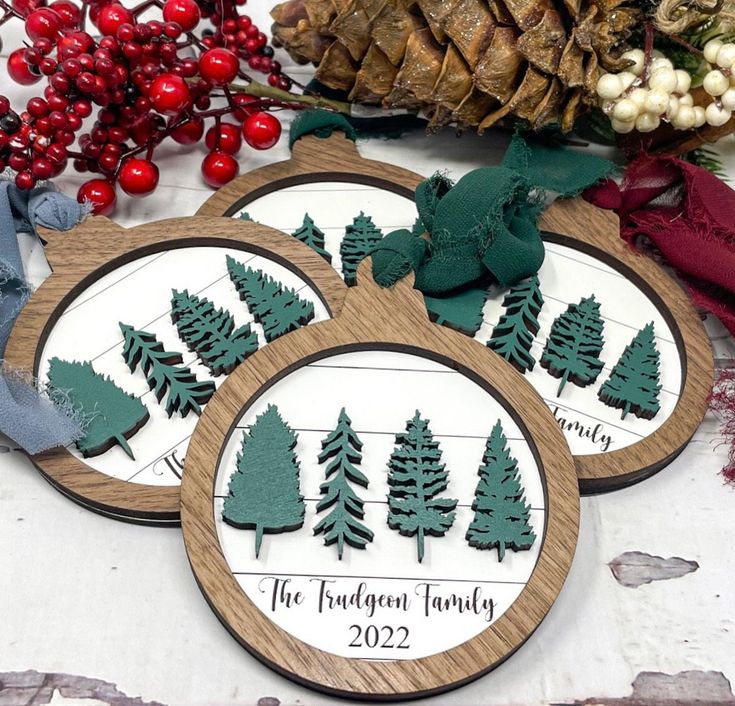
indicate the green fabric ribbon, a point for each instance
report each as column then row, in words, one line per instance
column 484, row 226
column 321, row 123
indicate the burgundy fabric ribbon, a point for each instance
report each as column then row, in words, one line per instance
column 689, row 214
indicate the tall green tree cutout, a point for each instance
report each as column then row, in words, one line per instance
column 513, row 335
column 309, row 234
column 264, row 492
column 416, row 477
column 633, row 385
column 462, row 312
column 277, row 308
column 245, row 216
column 574, row 344
column 111, row 415
column 361, row 236
column 342, row 525
column 501, row 512
column 211, row 333
column 164, row 374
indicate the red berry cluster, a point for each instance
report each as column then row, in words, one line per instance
column 144, row 81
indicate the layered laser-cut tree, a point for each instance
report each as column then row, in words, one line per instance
column 416, row 476
column 343, row 524
column 513, row 335
column 501, row 518
column 309, row 234
column 574, row 344
column 164, row 373
column 462, row 312
column 361, row 236
column 264, row 490
column 111, row 415
column 210, row 333
column 277, row 308
column 633, row 385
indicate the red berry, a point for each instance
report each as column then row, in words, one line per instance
column 56, row 153
column 218, row 66
column 111, row 17
column 42, row 168
column 138, row 177
column 69, row 13
column 25, row 7
column 241, row 100
column 20, row 71
column 37, row 107
column 43, row 23
column 73, row 44
column 169, row 94
column 230, row 138
column 100, row 193
column 83, row 108
column 184, row 12
column 25, row 179
column 219, row 168
column 189, row 132
column 261, row 130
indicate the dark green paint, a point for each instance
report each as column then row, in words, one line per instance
column 264, row 492
column 360, row 238
column 416, row 476
column 277, row 308
column 111, row 415
column 309, row 234
column 462, row 312
column 164, row 374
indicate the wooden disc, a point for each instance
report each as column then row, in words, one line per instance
column 377, row 320
column 92, row 250
column 569, row 223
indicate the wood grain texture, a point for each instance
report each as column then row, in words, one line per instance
column 571, row 222
column 80, row 257
column 394, row 319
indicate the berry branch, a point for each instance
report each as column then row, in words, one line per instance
column 111, row 101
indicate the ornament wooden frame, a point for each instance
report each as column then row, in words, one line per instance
column 373, row 318
column 574, row 223
column 86, row 253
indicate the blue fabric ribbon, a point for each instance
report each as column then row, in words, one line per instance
column 26, row 415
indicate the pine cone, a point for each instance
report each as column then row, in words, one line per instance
column 469, row 62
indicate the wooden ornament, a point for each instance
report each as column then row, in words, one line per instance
column 97, row 247
column 372, row 320
column 569, row 223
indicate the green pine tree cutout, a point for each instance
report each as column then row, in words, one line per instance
column 342, row 525
column 310, row 235
column 574, row 344
column 211, row 333
column 513, row 335
column 245, row 216
column 112, row 416
column 277, row 308
column 264, row 492
column 361, row 236
column 633, row 385
column 416, row 476
column 501, row 512
column 462, row 312
column 164, row 374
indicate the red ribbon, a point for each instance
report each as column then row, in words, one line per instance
column 689, row 214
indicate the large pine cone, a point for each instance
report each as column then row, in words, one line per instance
column 470, row 62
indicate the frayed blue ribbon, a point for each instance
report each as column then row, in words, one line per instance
column 27, row 416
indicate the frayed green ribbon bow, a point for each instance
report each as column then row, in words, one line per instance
column 484, row 226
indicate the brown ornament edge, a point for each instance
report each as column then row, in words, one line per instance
column 395, row 324
column 571, row 222
column 83, row 255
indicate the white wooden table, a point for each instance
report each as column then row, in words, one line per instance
column 106, row 611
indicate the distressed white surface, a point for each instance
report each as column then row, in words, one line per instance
column 86, row 595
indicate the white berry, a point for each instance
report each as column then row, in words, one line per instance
column 684, row 119
column 686, row 99
column 699, row 116
column 710, row 50
column 683, row 82
column 625, row 110
column 609, row 86
column 673, row 108
column 638, row 96
column 663, row 79
column 657, row 102
column 638, row 58
column 622, row 127
column 715, row 83
column 661, row 63
column 647, row 122
column 726, row 56
column 627, row 78
column 728, row 99
column 716, row 115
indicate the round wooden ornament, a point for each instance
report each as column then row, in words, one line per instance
column 140, row 325
column 366, row 572
column 615, row 440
